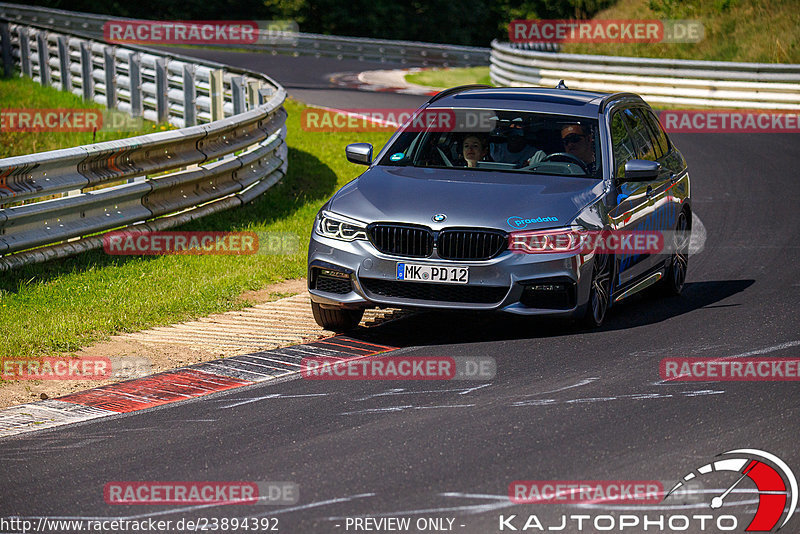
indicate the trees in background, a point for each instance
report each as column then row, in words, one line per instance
column 465, row 22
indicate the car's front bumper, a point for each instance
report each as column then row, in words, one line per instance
column 511, row 282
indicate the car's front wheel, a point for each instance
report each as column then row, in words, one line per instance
column 336, row 319
column 600, row 291
column 678, row 263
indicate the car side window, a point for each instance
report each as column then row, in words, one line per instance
column 658, row 132
column 640, row 134
column 621, row 143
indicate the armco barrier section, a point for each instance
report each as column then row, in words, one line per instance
column 666, row 81
column 414, row 53
column 62, row 201
column 158, row 86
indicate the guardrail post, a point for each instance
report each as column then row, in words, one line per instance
column 135, row 72
column 8, row 63
column 87, row 80
column 189, row 96
column 237, row 93
column 110, row 68
column 252, row 94
column 162, row 89
column 215, row 92
column 44, row 59
column 63, row 61
column 264, row 93
column 24, row 51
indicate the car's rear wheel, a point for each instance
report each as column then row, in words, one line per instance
column 336, row 319
column 678, row 264
column 600, row 291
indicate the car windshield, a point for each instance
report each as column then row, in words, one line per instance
column 487, row 140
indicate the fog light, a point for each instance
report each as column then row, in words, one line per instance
column 335, row 274
column 548, row 287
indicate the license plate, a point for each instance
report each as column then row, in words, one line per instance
column 442, row 274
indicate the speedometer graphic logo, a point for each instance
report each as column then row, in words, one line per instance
column 776, row 485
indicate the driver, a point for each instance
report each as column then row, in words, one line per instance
column 580, row 143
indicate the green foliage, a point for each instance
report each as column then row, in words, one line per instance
column 764, row 31
column 465, row 22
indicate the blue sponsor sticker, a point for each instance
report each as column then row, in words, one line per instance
column 397, row 156
column 401, row 271
column 521, row 222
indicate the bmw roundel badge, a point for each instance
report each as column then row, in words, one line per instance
column 439, row 217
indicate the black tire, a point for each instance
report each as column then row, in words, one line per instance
column 336, row 319
column 600, row 292
column 678, row 264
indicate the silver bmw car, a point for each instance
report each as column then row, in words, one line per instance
column 484, row 199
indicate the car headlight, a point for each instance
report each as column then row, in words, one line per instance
column 340, row 227
column 547, row 241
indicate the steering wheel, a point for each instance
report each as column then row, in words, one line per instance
column 566, row 156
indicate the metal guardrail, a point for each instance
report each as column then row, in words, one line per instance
column 668, row 81
column 90, row 25
column 149, row 182
column 158, row 86
column 410, row 53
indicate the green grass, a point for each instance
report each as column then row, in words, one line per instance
column 444, row 78
column 735, row 30
column 63, row 305
column 24, row 93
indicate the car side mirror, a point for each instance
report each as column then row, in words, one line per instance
column 360, row 153
column 640, row 170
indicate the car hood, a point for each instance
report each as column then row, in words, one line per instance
column 504, row 200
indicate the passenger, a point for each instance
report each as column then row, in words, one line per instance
column 474, row 149
column 580, row 143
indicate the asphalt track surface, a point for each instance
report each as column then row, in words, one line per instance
column 566, row 404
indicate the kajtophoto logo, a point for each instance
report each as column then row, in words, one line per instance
column 774, row 480
column 775, row 487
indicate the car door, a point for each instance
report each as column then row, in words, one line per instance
column 667, row 195
column 633, row 208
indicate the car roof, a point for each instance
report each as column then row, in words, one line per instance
column 560, row 101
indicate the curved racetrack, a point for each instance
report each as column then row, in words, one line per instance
column 566, row 404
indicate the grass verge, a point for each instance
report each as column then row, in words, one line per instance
column 65, row 304
column 24, row 93
column 444, row 78
column 735, row 30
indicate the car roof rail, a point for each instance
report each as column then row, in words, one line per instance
column 615, row 96
column 454, row 90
